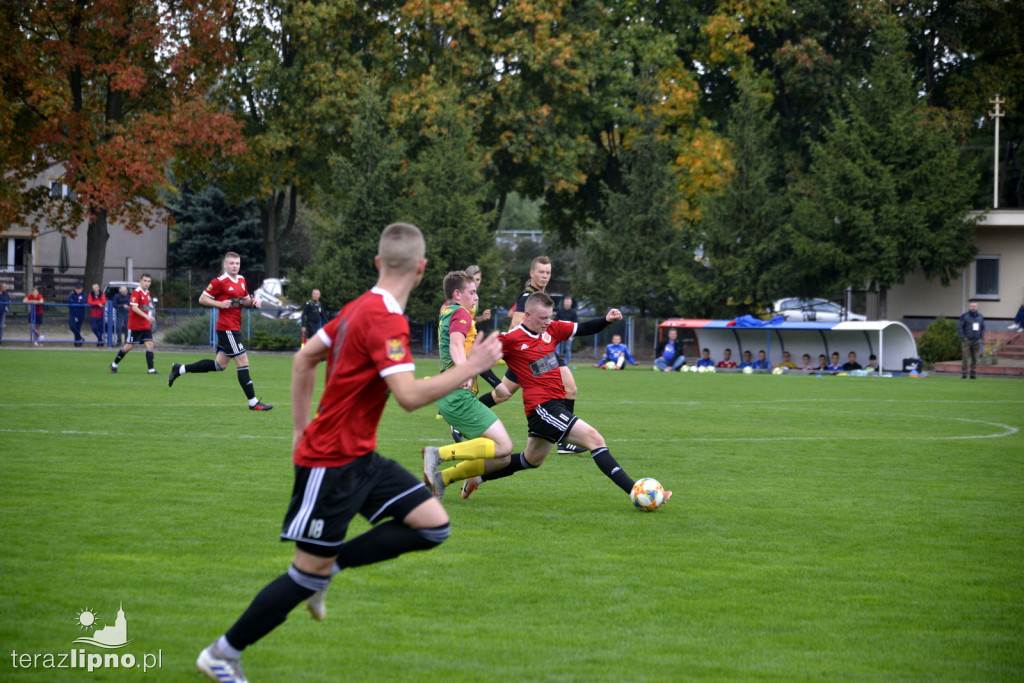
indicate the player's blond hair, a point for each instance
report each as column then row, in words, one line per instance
column 401, row 247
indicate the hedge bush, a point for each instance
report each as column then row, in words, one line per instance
column 940, row 342
column 266, row 334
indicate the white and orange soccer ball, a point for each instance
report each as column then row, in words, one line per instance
column 647, row 494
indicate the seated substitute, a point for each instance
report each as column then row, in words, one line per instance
column 615, row 355
column 669, row 353
column 727, row 361
column 705, row 360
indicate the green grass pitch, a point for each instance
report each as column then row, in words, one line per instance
column 821, row 529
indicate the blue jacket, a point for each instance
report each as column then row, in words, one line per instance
column 705, row 362
column 76, row 306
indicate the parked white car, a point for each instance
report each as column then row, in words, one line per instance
column 815, row 310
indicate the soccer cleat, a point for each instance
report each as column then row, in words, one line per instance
column 175, row 371
column 566, row 448
column 151, row 371
column 470, row 485
column 315, row 605
column 431, row 477
column 456, row 435
column 260, row 405
column 113, row 368
column 217, row 667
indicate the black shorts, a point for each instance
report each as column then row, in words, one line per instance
column 229, row 342
column 551, row 421
column 139, row 336
column 325, row 499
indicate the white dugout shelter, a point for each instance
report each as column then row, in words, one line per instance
column 891, row 341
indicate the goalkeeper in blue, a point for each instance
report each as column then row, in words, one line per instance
column 615, row 355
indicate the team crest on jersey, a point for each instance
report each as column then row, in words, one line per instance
column 395, row 350
column 546, row 338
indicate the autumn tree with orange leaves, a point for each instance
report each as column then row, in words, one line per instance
column 112, row 90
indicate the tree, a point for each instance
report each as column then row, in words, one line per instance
column 747, row 241
column 360, row 198
column 889, row 192
column 637, row 254
column 447, row 193
column 112, row 91
column 208, row 226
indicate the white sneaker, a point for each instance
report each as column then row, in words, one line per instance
column 316, row 606
column 1014, row 326
column 431, row 477
column 217, row 667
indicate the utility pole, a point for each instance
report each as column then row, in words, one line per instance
column 997, row 114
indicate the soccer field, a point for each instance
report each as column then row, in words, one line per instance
column 821, row 529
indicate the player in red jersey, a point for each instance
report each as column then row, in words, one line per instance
column 140, row 324
column 529, row 350
column 337, row 472
column 229, row 294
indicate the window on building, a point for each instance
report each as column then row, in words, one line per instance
column 986, row 277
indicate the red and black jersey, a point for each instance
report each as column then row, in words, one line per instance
column 140, row 298
column 532, row 358
column 368, row 340
column 221, row 289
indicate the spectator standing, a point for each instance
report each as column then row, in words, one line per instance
column 669, row 355
column 122, row 306
column 5, row 305
column 312, row 315
column 972, row 330
column 35, row 303
column 76, row 313
column 567, row 313
column 97, row 302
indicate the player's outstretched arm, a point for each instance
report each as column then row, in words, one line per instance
column 412, row 393
column 304, row 366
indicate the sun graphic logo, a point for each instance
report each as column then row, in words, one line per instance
column 110, row 637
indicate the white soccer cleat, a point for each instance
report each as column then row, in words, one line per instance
column 316, row 606
column 431, row 477
column 217, row 667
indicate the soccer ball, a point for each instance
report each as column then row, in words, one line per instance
column 710, row 369
column 748, row 370
column 610, row 365
column 647, row 494
column 779, row 370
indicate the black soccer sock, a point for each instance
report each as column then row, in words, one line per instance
column 516, row 462
column 271, row 606
column 389, row 540
column 120, row 355
column 488, row 399
column 149, row 359
column 204, row 365
column 607, row 464
column 247, row 387
column 491, row 378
